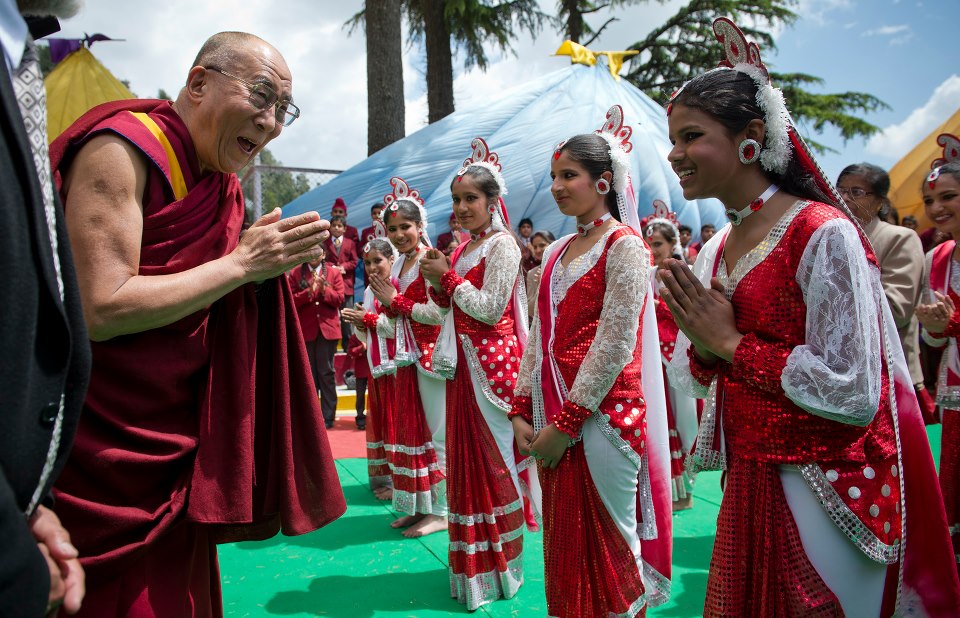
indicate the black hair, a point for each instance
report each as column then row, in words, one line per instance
column 483, row 178
column 909, row 218
column 525, row 221
column 338, row 219
column 376, row 206
column 708, row 225
column 545, row 234
column 593, row 153
column 381, row 246
column 876, row 178
column 730, row 97
column 667, row 232
column 952, row 168
column 684, row 228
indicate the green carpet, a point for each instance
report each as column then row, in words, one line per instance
column 359, row 567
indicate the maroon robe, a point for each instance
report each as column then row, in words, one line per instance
column 207, row 428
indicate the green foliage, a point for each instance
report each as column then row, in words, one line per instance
column 277, row 188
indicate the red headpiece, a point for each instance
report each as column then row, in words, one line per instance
column 951, row 154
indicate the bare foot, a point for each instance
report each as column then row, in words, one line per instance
column 427, row 525
column 407, row 520
column 683, row 503
column 383, row 493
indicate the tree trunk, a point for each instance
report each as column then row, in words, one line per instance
column 574, row 20
column 385, row 107
column 439, row 61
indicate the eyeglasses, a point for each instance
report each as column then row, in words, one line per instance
column 263, row 96
column 856, row 192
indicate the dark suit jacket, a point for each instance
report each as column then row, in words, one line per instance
column 45, row 353
column 347, row 257
column 319, row 313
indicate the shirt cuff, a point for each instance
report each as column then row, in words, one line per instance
column 953, row 328
column 571, row 418
column 402, row 305
column 439, row 297
column 700, row 370
column 370, row 320
column 760, row 363
column 522, row 407
column 450, row 281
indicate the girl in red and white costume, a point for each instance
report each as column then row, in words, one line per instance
column 418, row 457
column 378, row 332
column 941, row 319
column 480, row 348
column 830, row 504
column 590, row 403
column 662, row 235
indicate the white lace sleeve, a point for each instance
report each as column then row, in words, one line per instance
column 628, row 277
column 836, row 373
column 678, row 369
column 386, row 327
column 926, row 298
column 500, row 275
column 528, row 363
column 428, row 313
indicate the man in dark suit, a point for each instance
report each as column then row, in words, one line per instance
column 343, row 254
column 45, row 364
column 318, row 293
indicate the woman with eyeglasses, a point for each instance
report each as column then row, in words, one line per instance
column 864, row 187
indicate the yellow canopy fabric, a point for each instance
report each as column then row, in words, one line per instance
column 907, row 175
column 581, row 55
column 76, row 85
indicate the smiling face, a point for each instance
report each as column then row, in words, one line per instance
column 227, row 130
column 403, row 233
column 537, row 246
column 376, row 264
column 942, row 204
column 704, row 154
column 470, row 204
column 573, row 189
column 659, row 246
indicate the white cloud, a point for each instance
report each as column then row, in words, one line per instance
column 818, row 11
column 887, row 30
column 898, row 139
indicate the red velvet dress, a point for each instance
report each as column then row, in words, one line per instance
column 205, row 430
column 943, row 275
column 486, row 509
column 851, row 462
column 419, row 484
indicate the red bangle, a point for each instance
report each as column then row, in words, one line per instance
column 370, row 320
column 439, row 297
column 759, row 363
column 701, row 372
column 450, row 281
column 402, row 305
column 522, row 407
column 571, row 418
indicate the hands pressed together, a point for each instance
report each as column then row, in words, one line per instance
column 935, row 317
column 272, row 246
column 704, row 315
column 382, row 289
column 354, row 315
column 433, row 265
column 67, row 579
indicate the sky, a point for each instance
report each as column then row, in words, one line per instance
column 897, row 50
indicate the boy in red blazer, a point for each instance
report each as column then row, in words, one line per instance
column 342, row 253
column 318, row 294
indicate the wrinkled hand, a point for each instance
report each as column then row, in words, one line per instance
column 704, row 315
column 549, row 446
column 67, row 579
column 272, row 246
column 383, row 289
column 353, row 316
column 433, row 265
column 523, row 434
column 935, row 317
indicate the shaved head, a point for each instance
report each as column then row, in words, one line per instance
column 225, row 49
column 43, row 8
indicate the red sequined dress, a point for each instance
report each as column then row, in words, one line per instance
column 942, row 273
column 378, row 333
column 592, row 369
column 486, row 508
column 417, row 459
column 818, row 428
column 681, row 408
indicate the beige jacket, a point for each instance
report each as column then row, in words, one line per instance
column 900, row 254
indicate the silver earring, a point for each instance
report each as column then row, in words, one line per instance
column 749, row 151
column 603, row 186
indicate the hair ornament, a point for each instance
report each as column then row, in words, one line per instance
column 951, row 154
column 617, row 136
column 484, row 157
column 664, row 216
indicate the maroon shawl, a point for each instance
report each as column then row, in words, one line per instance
column 213, row 418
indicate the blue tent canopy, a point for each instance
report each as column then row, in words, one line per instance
column 523, row 125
